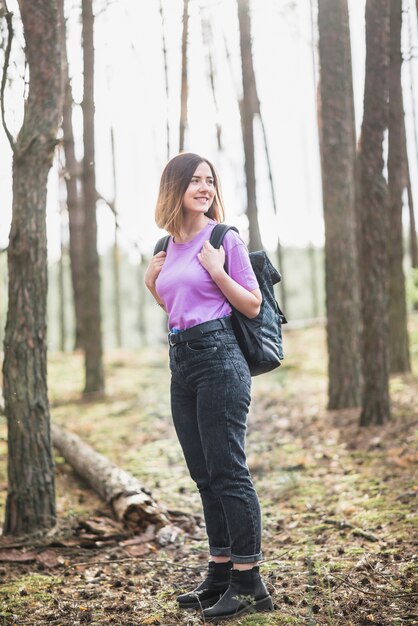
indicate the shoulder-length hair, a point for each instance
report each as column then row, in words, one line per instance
column 175, row 179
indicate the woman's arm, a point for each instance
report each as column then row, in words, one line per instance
column 151, row 275
column 246, row 302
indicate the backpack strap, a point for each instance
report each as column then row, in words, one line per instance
column 161, row 245
column 218, row 234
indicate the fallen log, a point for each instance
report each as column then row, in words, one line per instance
column 131, row 503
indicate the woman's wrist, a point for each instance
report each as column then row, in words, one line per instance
column 218, row 275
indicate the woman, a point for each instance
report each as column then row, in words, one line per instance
column 196, row 284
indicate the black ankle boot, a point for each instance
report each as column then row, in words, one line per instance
column 245, row 594
column 210, row 590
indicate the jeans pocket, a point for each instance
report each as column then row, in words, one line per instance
column 201, row 346
column 238, row 361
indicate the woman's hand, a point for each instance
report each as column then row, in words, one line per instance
column 212, row 259
column 246, row 302
column 154, row 268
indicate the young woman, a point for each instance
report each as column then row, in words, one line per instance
column 196, row 284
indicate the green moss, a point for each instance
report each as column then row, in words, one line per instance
column 25, row 591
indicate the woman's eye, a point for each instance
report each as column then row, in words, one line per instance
column 196, row 181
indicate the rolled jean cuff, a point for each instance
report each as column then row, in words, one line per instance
column 252, row 558
column 220, row 551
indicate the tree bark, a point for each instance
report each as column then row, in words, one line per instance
column 398, row 331
column 338, row 183
column 128, row 499
column 374, row 217
column 183, row 103
column 248, row 107
column 142, row 305
column 61, row 290
column 75, row 210
column 208, row 41
column 116, row 253
column 92, row 340
column 31, row 489
column 167, row 121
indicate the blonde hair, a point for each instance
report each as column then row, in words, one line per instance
column 175, row 179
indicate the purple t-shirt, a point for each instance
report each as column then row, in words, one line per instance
column 187, row 289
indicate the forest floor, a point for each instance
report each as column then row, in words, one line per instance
column 339, row 503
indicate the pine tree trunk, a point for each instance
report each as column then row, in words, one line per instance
column 398, row 331
column 167, row 122
column 61, row 291
column 183, row 103
column 92, row 340
column 75, row 210
column 116, row 253
column 31, row 492
column 248, row 108
column 142, row 320
column 338, row 183
column 374, row 217
column 208, row 41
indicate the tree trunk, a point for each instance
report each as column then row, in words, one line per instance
column 92, row 341
column 116, row 253
column 374, row 217
column 31, row 489
column 183, row 111
column 75, row 210
column 338, row 183
column 248, row 107
column 311, row 247
column 398, row 331
column 208, row 41
column 129, row 500
column 167, row 122
column 61, row 289
column 413, row 246
column 142, row 305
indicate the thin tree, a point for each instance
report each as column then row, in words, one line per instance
column 183, row 97
column 412, row 82
column 398, row 332
column 338, row 184
column 92, row 334
column 248, row 107
column 30, row 501
column 61, row 281
column 74, row 206
column 413, row 243
column 167, row 122
column 116, row 253
column 311, row 247
column 207, row 36
column 373, row 210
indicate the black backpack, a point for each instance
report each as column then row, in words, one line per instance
column 259, row 338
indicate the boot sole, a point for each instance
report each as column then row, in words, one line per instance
column 204, row 604
column 265, row 604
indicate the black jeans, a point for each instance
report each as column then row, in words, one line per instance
column 210, row 397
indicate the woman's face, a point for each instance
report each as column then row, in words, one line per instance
column 200, row 193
